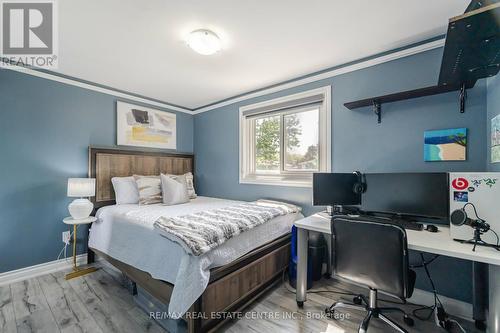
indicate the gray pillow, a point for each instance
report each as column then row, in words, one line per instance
column 190, row 184
column 149, row 189
column 175, row 189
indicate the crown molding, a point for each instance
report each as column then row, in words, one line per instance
column 96, row 87
column 327, row 74
column 343, row 69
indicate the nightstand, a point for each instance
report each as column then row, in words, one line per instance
column 75, row 223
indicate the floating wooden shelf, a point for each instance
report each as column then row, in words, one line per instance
column 377, row 102
column 400, row 96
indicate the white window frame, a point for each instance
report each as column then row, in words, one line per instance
column 299, row 178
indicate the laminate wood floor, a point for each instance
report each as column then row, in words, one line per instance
column 99, row 302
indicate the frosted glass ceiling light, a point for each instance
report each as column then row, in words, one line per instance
column 204, row 42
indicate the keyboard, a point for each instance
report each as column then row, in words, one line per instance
column 409, row 225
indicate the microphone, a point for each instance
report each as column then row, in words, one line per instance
column 459, row 217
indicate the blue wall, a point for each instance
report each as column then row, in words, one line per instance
column 358, row 142
column 493, row 87
column 46, row 128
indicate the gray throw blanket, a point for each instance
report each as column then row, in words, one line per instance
column 200, row 232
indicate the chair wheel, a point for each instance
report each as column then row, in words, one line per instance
column 357, row 300
column 330, row 313
column 408, row 321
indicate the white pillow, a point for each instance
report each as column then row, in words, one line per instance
column 175, row 190
column 126, row 191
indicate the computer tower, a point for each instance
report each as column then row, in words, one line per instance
column 482, row 189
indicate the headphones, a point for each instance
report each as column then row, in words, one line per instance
column 360, row 186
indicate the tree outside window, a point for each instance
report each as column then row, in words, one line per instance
column 300, row 142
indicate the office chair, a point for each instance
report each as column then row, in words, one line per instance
column 374, row 254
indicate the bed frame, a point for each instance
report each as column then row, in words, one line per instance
column 231, row 287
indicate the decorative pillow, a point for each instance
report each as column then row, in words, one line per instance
column 175, row 190
column 149, row 189
column 125, row 190
column 190, row 185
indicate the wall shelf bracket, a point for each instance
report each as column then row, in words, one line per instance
column 377, row 109
column 463, row 97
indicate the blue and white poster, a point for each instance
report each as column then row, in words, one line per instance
column 445, row 145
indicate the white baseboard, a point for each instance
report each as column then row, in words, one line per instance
column 452, row 306
column 41, row 269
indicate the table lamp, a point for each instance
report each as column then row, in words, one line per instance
column 81, row 187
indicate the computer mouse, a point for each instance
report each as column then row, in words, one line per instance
column 431, row 228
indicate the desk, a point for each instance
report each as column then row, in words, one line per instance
column 437, row 243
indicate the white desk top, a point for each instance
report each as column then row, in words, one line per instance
column 439, row 242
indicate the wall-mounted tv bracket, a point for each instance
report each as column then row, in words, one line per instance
column 463, row 97
column 377, row 109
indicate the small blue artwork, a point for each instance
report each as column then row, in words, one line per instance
column 445, row 145
column 461, row 196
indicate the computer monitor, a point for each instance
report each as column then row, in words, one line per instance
column 407, row 194
column 335, row 189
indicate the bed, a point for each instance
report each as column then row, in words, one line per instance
column 223, row 280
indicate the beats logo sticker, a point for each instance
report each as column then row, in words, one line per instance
column 460, row 183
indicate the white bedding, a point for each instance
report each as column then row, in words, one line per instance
column 126, row 233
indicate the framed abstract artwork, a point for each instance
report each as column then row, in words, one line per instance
column 445, row 145
column 495, row 139
column 145, row 127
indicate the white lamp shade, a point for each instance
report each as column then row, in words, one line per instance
column 81, row 187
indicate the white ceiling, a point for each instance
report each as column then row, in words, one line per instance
column 138, row 46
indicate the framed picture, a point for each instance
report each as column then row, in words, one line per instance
column 445, row 145
column 145, row 127
column 495, row 139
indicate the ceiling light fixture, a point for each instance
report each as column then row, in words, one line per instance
column 204, row 41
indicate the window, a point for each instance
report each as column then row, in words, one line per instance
column 285, row 140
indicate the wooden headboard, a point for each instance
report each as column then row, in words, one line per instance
column 106, row 163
